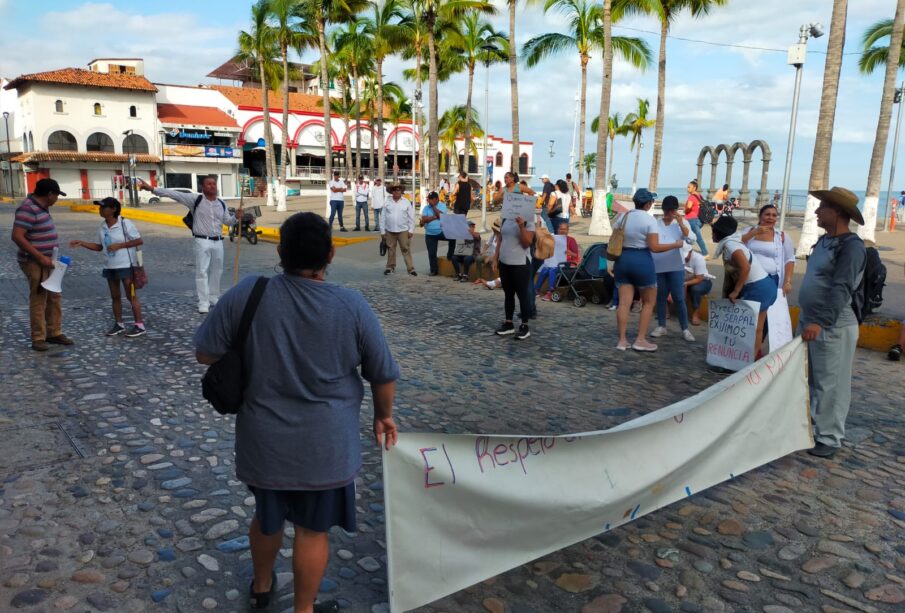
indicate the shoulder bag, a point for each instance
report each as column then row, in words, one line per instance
column 139, row 276
column 223, row 385
column 614, row 246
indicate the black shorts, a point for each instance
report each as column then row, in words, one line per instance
column 117, row 274
column 316, row 510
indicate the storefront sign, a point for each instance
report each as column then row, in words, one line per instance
column 202, row 151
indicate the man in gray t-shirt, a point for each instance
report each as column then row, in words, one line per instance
column 827, row 321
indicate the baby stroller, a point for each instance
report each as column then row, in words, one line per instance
column 587, row 281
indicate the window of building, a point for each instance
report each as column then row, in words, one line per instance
column 499, row 160
column 99, row 142
column 61, row 140
column 135, row 144
column 98, row 109
column 31, row 141
column 58, row 106
column 133, row 111
column 523, row 164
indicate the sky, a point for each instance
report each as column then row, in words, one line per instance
column 715, row 93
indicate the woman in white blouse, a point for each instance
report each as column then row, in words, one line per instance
column 772, row 248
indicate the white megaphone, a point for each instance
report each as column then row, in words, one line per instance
column 54, row 283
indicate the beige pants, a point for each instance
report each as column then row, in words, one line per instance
column 402, row 238
column 45, row 309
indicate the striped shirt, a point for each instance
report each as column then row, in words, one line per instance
column 39, row 228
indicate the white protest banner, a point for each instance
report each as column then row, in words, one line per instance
column 779, row 323
column 455, row 227
column 461, row 508
column 518, row 205
column 730, row 339
column 559, row 252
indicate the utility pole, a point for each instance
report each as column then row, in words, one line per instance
column 897, row 99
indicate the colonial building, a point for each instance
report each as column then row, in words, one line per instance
column 87, row 129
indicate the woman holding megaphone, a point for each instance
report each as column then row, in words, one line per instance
column 118, row 238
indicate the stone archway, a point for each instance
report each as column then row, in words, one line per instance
column 731, row 151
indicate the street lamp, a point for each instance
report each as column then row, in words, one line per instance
column 797, row 55
column 897, row 98
column 9, row 154
column 131, row 161
column 163, row 156
column 552, row 142
column 488, row 49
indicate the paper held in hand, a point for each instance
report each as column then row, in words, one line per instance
column 518, row 205
column 455, row 227
column 731, row 334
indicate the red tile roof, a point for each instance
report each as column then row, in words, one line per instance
column 251, row 96
column 183, row 114
column 86, row 78
column 74, row 156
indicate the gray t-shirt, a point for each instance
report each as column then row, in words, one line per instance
column 835, row 268
column 298, row 426
column 511, row 251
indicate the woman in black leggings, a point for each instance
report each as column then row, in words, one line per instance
column 513, row 254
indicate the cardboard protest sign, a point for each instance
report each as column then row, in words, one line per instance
column 731, row 334
column 462, row 508
column 455, row 227
column 779, row 323
column 559, row 252
column 518, row 205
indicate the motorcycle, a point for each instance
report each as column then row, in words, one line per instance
column 249, row 228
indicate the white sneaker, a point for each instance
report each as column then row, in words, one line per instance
column 612, row 307
column 658, row 332
column 687, row 335
column 202, row 308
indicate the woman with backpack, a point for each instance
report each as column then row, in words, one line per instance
column 692, row 214
column 117, row 239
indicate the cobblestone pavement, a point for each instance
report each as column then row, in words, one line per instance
column 118, row 493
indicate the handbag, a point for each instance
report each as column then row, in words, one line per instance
column 614, row 246
column 556, row 209
column 223, row 385
column 383, row 246
column 545, row 244
column 139, row 276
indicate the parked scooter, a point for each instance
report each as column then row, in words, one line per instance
column 249, row 227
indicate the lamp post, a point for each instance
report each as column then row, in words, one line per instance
column 797, row 54
column 488, row 49
column 897, row 98
column 127, row 134
column 9, row 154
column 163, row 156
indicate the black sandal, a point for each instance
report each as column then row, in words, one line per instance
column 330, row 606
column 261, row 600
column 895, row 353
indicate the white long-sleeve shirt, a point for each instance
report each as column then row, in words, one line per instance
column 361, row 191
column 378, row 196
column 398, row 216
column 208, row 217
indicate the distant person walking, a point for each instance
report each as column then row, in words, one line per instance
column 362, row 191
column 722, row 194
column 692, row 211
column 559, row 210
column 828, row 322
column 670, row 269
column 35, row 234
column 209, row 215
column 461, row 195
column 337, row 189
column 378, row 195
column 297, row 439
column 117, row 239
column 398, row 227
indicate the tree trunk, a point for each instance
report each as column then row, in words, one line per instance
column 325, row 87
column 661, row 108
column 875, row 175
column 418, row 117
column 582, row 113
column 600, row 220
column 343, row 85
column 381, row 144
column 609, row 166
column 356, row 97
column 637, row 160
column 820, row 165
column 467, row 154
column 268, row 136
column 433, row 121
column 283, row 165
column 513, row 86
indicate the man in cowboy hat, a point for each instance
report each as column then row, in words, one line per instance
column 397, row 225
column 828, row 321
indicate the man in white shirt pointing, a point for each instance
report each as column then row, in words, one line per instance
column 209, row 214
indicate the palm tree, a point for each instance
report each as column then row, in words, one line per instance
column 453, row 124
column 667, row 11
column 638, row 122
column 616, row 126
column 291, row 30
column 323, row 12
column 873, row 56
column 259, row 48
column 352, row 47
column 399, row 110
column 513, row 87
column 600, row 220
column 371, row 96
column 589, row 163
column 390, row 30
column 475, row 40
column 585, row 34
column 820, row 164
column 874, row 175
column 344, row 104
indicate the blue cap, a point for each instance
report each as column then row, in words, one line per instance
column 643, row 196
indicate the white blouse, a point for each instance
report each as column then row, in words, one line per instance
column 773, row 256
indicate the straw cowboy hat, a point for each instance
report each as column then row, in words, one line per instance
column 842, row 199
column 497, row 224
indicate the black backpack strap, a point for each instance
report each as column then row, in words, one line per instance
column 249, row 312
column 197, row 202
